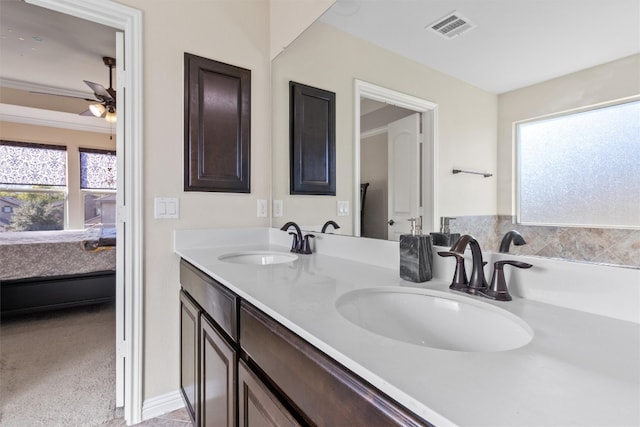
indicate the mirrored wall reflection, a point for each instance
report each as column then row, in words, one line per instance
column 474, row 125
column 324, row 57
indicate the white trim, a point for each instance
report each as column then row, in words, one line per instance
column 121, row 230
column 429, row 121
column 55, row 119
column 160, row 405
column 128, row 20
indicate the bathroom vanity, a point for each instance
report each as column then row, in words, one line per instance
column 272, row 338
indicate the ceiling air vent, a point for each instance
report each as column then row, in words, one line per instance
column 451, row 25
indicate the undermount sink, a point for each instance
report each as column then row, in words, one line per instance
column 434, row 319
column 258, row 257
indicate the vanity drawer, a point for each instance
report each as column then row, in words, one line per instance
column 323, row 391
column 218, row 302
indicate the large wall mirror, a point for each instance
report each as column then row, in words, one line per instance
column 513, row 61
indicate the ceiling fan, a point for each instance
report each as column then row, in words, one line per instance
column 106, row 108
column 106, row 105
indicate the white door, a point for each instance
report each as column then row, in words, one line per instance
column 404, row 174
column 121, row 222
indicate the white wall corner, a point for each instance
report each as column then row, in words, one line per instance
column 160, row 405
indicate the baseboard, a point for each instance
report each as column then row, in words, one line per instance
column 160, row 405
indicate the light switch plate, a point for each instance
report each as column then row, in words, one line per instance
column 262, row 208
column 166, row 208
column 343, row 208
column 278, row 209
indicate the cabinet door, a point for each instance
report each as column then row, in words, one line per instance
column 189, row 331
column 218, row 378
column 258, row 407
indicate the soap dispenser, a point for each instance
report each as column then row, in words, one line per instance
column 415, row 255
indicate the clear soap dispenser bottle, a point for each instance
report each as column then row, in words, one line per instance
column 415, row 254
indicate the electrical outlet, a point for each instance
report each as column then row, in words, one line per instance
column 278, row 209
column 262, row 208
column 343, row 208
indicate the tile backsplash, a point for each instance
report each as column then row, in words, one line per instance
column 596, row 245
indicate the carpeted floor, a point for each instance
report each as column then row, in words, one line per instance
column 58, row 368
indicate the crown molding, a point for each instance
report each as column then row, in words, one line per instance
column 56, row 119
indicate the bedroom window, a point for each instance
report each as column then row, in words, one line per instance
column 98, row 183
column 33, row 184
column 580, row 168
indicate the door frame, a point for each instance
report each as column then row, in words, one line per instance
column 429, row 112
column 129, row 21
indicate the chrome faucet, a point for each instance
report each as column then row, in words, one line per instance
column 329, row 223
column 511, row 236
column 477, row 281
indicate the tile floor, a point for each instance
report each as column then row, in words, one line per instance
column 177, row 418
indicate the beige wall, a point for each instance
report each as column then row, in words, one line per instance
column 73, row 139
column 330, row 59
column 230, row 31
column 607, row 82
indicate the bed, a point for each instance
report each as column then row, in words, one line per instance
column 44, row 270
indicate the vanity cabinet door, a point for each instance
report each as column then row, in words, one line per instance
column 218, row 378
column 189, row 340
column 258, row 407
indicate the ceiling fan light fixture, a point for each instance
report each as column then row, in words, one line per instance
column 111, row 116
column 97, row 109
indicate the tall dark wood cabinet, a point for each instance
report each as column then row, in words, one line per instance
column 217, row 126
column 312, row 140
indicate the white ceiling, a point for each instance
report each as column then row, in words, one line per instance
column 515, row 43
column 44, row 50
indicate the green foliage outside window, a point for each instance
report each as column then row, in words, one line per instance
column 37, row 211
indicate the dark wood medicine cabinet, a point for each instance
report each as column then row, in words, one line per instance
column 312, row 121
column 217, row 126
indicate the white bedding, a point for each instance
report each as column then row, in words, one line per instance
column 52, row 253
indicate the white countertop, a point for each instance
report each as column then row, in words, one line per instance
column 579, row 369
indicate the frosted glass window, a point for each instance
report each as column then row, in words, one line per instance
column 33, row 164
column 581, row 168
column 97, row 169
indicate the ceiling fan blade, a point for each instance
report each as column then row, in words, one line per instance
column 99, row 90
column 66, row 96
